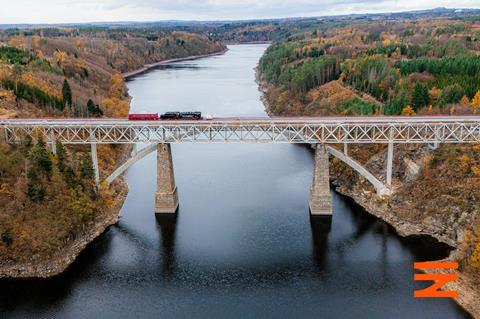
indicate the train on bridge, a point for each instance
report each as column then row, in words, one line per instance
column 168, row 116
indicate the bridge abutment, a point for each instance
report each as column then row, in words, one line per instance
column 320, row 196
column 166, row 198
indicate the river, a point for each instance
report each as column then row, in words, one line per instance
column 242, row 245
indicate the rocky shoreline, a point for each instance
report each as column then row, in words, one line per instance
column 469, row 295
column 362, row 193
column 64, row 258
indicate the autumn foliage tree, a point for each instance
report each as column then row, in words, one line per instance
column 465, row 100
column 408, row 111
column 475, row 257
column 476, row 102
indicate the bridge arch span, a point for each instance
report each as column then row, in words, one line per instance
column 379, row 186
column 132, row 160
column 381, row 189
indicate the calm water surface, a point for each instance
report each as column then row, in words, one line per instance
column 242, row 245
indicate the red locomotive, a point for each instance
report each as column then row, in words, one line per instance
column 143, row 117
column 168, row 116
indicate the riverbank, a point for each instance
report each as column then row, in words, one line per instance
column 263, row 88
column 247, row 42
column 466, row 286
column 393, row 210
column 58, row 263
column 147, row 67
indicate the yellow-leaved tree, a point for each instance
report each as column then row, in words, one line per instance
column 476, row 102
column 115, row 107
column 116, row 88
column 36, row 40
column 465, row 100
column 408, row 111
column 434, row 94
column 59, row 57
column 386, row 41
column 475, row 257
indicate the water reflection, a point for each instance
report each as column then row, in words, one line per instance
column 320, row 227
column 167, row 226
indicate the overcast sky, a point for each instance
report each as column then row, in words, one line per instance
column 63, row 11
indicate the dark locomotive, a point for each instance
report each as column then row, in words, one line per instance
column 167, row 116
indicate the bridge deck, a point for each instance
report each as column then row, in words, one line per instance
column 440, row 129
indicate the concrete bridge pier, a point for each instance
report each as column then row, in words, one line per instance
column 166, row 198
column 52, row 142
column 320, row 197
column 96, row 170
column 389, row 164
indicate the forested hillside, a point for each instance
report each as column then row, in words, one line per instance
column 402, row 67
column 383, row 67
column 261, row 30
column 47, row 201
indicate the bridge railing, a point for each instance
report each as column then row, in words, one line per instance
column 273, row 131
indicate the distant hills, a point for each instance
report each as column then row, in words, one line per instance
column 430, row 13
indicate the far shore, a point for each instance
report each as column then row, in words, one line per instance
column 146, row 67
column 247, row 42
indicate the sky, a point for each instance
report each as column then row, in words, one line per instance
column 75, row 11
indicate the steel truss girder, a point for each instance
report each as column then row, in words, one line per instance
column 266, row 131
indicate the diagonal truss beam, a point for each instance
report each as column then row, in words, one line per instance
column 309, row 130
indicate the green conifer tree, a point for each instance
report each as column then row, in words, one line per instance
column 67, row 94
column 420, row 96
column 42, row 157
column 86, row 168
column 61, row 156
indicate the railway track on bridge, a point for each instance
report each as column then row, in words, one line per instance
column 326, row 130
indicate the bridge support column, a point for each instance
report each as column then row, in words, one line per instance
column 166, row 198
column 389, row 164
column 93, row 148
column 134, row 149
column 320, row 197
column 53, row 143
column 438, row 136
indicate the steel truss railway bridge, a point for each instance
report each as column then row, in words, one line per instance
column 321, row 132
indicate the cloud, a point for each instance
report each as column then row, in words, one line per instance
column 61, row 11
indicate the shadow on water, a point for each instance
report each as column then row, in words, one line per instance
column 173, row 66
column 167, row 225
column 422, row 247
column 320, row 227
